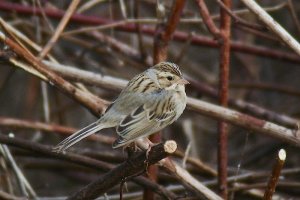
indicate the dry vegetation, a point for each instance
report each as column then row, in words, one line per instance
column 63, row 62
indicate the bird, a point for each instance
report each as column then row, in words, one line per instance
column 151, row 101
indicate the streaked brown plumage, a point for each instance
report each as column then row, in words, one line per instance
column 151, row 101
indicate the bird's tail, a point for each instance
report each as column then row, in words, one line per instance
column 79, row 135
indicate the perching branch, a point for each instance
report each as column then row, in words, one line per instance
column 77, row 159
column 124, row 171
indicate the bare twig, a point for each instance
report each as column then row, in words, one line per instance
column 247, row 107
column 177, row 36
column 117, row 84
column 246, row 121
column 197, row 163
column 6, row 196
column 124, row 171
column 81, row 96
column 273, row 87
column 59, row 29
column 136, row 14
column 234, row 117
column 223, row 98
column 64, row 130
column 189, row 180
column 77, row 159
column 239, row 20
column 213, row 29
column 184, row 49
column 294, row 14
column 24, row 185
column 164, row 33
column 217, row 112
column 275, row 174
column 273, row 25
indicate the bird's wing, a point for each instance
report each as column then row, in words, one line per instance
column 145, row 120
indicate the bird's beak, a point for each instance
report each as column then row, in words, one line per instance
column 183, row 81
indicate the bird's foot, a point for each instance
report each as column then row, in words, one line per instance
column 150, row 145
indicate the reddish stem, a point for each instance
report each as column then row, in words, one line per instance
column 223, row 98
column 162, row 37
column 204, row 12
column 237, row 46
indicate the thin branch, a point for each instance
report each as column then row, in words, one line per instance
column 281, row 156
column 180, row 36
column 225, row 25
column 136, row 13
column 273, row 25
column 239, row 20
column 199, row 86
column 59, row 29
column 284, row 89
column 77, row 159
column 251, row 123
column 164, row 33
column 124, row 171
column 204, row 12
column 234, row 117
column 202, row 107
column 34, row 125
column 246, row 107
column 294, row 14
column 7, row 196
column 197, row 163
column 24, row 185
column 85, row 98
column 203, row 191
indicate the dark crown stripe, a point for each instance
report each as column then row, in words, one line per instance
column 169, row 67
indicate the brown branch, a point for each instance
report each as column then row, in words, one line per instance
column 246, row 121
column 234, row 117
column 59, row 29
column 276, row 28
column 210, row 24
column 164, row 33
column 12, row 123
column 202, row 87
column 239, row 20
column 64, row 130
column 223, row 99
column 197, row 163
column 291, row 8
column 93, row 103
column 281, row 156
column 208, row 109
column 77, row 159
column 136, row 14
column 162, row 37
column 124, row 171
column 7, row 196
column 266, row 87
column 237, row 46
column 245, row 106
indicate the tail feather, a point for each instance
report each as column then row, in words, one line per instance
column 79, row 135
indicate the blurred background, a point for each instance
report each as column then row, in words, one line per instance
column 265, row 75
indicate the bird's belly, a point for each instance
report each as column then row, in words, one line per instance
column 179, row 100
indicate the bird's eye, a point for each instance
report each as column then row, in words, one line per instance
column 170, row 78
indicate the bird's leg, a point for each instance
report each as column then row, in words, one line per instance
column 131, row 148
column 150, row 145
